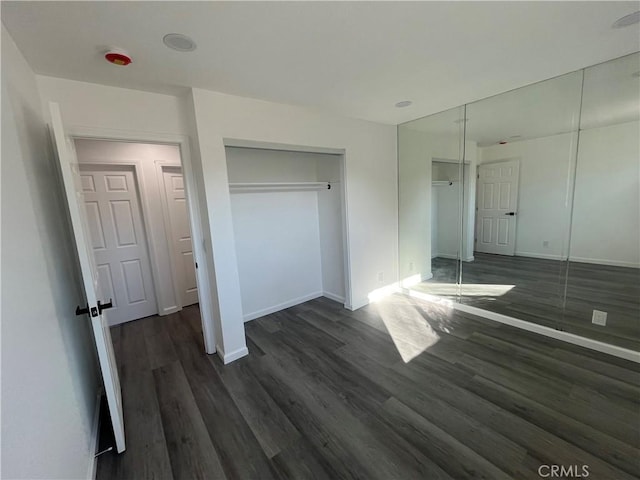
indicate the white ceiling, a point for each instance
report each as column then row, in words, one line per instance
column 352, row 58
column 609, row 95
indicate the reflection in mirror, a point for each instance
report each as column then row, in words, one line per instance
column 527, row 204
column 527, row 141
column 431, row 185
column 604, row 263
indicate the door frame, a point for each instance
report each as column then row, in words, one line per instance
column 476, row 226
column 195, row 217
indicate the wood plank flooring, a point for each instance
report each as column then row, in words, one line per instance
column 400, row 389
column 538, row 293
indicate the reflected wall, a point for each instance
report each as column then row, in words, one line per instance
column 544, row 222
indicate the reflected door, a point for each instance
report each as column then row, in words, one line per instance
column 497, row 204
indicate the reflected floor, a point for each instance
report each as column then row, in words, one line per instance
column 532, row 289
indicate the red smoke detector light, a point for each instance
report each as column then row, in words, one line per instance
column 118, row 58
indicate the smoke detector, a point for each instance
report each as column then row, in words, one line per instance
column 118, row 57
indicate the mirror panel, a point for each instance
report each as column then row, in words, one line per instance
column 527, row 141
column 431, row 184
column 604, row 267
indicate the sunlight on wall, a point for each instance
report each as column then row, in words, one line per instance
column 383, row 292
column 411, row 281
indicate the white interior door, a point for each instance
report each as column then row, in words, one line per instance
column 179, row 234
column 117, row 236
column 497, row 207
column 94, row 305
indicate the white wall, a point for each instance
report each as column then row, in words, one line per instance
column 285, row 241
column 370, row 169
column 331, row 222
column 606, row 214
column 49, row 369
column 147, row 157
column 543, row 204
column 417, row 151
column 210, row 118
column 447, row 222
column 90, row 110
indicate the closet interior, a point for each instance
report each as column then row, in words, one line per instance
column 288, row 221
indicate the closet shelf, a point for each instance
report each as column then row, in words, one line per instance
column 441, row 182
column 278, row 186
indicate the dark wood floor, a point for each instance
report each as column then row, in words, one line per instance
column 538, row 294
column 399, row 389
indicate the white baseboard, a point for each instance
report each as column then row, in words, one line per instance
column 333, row 296
column 231, row 356
column 281, row 306
column 533, row 327
column 95, row 437
column 169, row 310
column 426, row 276
column 451, row 256
column 469, row 259
column 357, row 304
column 544, row 256
column 600, row 261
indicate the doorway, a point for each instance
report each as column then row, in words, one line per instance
column 138, row 215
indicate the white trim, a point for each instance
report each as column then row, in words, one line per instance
column 544, row 256
column 426, row 276
column 469, row 259
column 451, row 256
column 357, row 304
column 533, row 327
column 95, row 436
column 233, row 356
column 281, row 306
column 277, row 186
column 170, row 310
column 333, row 296
column 599, row 261
column 195, row 218
column 243, row 143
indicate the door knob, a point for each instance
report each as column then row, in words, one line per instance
column 510, row 213
column 105, row 306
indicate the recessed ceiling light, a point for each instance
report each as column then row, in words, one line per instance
column 404, row 103
column 627, row 20
column 179, row 42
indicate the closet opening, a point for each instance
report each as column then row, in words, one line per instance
column 289, row 222
column 139, row 224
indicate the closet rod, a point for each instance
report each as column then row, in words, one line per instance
column 278, row 186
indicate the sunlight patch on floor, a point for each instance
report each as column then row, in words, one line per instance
column 409, row 330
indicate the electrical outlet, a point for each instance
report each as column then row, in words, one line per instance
column 411, row 266
column 599, row 318
column 380, row 277
column 545, row 244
